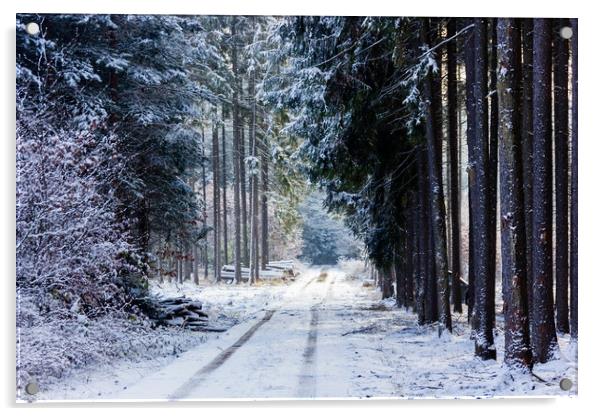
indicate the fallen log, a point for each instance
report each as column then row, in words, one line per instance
column 181, row 312
column 286, row 265
column 226, row 275
column 262, row 273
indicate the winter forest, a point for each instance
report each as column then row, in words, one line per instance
column 296, row 207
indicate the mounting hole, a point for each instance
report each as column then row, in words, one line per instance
column 32, row 28
column 566, row 32
column 32, row 388
column 566, row 384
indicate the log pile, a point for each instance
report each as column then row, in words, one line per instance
column 181, row 312
column 287, row 266
column 282, row 269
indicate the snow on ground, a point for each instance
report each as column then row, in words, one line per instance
column 323, row 336
column 227, row 306
column 226, row 302
column 397, row 358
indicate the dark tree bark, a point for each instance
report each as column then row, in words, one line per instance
column 224, row 185
column 400, row 274
column 216, row 204
column 387, row 276
column 574, row 181
column 195, row 253
column 514, row 273
column 204, row 213
column 484, row 285
column 205, row 250
column 493, row 152
column 430, row 286
column 409, row 256
column 236, row 155
column 254, row 255
column 452, row 131
column 437, row 206
column 265, row 257
column 413, row 279
column 244, row 217
column 422, row 226
column 469, row 67
column 527, row 148
column 561, row 171
column 544, row 328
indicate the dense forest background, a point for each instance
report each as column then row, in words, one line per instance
column 165, row 147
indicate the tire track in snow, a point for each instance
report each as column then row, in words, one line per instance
column 186, row 388
column 307, row 378
column 201, row 375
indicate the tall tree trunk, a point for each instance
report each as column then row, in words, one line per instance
column 388, row 276
column 470, row 138
column 452, row 131
column 216, row 203
column 437, row 207
column 514, row 269
column 180, row 260
column 413, row 285
column 195, row 264
column 544, row 328
column 244, row 213
column 527, row 148
column 484, row 285
column 574, row 181
column 430, row 286
column 224, row 185
column 254, row 257
column 204, row 253
column 236, row 154
column 493, row 153
column 264, row 201
column 422, row 226
column 204, row 206
column 561, row 171
column 408, row 255
column 400, row 275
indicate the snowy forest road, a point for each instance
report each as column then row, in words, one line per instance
column 320, row 337
column 279, row 355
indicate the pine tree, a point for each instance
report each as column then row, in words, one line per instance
column 253, row 172
column 452, row 128
column 236, row 151
column 527, row 146
column 244, row 212
column 264, row 178
column 484, row 285
column 217, row 265
column 437, row 208
column 514, row 271
column 422, row 221
column 574, row 268
column 561, row 167
column 224, row 184
column 493, row 151
column 470, row 138
column 544, row 328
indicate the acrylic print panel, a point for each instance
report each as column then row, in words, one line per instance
column 226, row 207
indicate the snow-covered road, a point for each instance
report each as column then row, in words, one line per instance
column 321, row 337
column 277, row 355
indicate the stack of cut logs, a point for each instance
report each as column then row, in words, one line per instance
column 282, row 269
column 182, row 312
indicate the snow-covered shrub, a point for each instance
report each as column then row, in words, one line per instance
column 49, row 348
column 70, row 246
column 74, row 262
column 73, row 259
